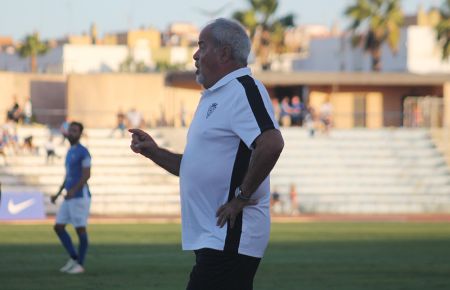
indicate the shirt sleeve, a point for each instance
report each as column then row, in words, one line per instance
column 252, row 112
column 86, row 160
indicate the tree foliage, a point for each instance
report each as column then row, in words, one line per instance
column 266, row 31
column 443, row 29
column 375, row 22
column 31, row 47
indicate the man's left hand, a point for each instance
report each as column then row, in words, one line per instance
column 230, row 210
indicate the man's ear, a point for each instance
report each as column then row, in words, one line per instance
column 225, row 54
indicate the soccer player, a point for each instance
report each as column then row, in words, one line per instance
column 76, row 204
column 232, row 145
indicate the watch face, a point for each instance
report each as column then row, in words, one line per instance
column 237, row 191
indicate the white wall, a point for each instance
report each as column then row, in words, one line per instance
column 71, row 58
column 424, row 55
column 92, row 58
column 179, row 55
column 418, row 52
column 142, row 53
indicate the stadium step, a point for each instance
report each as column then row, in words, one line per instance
column 349, row 171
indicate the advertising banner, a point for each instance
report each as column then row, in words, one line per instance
column 22, row 206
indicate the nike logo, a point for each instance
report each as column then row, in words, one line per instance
column 19, row 207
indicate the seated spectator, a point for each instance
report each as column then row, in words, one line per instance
column 135, row 119
column 15, row 112
column 50, row 149
column 120, row 124
column 297, row 109
column 29, row 146
column 10, row 137
column 276, row 109
column 326, row 116
column 275, row 197
column 3, row 150
column 285, row 115
column 64, row 130
column 293, row 197
column 310, row 120
column 27, row 112
column 275, row 200
column 183, row 115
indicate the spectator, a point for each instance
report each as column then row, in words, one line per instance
column 120, row 124
column 3, row 150
column 293, row 197
column 326, row 111
column 183, row 114
column 10, row 137
column 14, row 113
column 4, row 137
column 29, row 146
column 310, row 120
column 135, row 119
column 64, row 129
column 285, row 115
column 27, row 111
column 296, row 111
column 276, row 109
column 275, row 200
column 50, row 149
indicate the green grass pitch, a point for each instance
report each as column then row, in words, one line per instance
column 311, row 256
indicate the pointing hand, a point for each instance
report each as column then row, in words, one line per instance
column 142, row 142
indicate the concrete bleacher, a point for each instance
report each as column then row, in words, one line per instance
column 358, row 171
column 121, row 182
column 364, row 171
column 349, row 171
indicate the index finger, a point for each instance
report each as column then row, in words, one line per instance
column 220, row 210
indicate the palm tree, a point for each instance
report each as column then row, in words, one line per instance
column 32, row 47
column 443, row 29
column 267, row 33
column 381, row 20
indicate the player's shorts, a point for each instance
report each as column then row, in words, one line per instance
column 219, row 270
column 74, row 211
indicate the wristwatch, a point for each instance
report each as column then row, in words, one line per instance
column 239, row 195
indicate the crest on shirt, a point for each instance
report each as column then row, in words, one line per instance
column 211, row 109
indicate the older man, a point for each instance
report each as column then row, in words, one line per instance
column 232, row 145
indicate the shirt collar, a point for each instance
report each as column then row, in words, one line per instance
column 229, row 77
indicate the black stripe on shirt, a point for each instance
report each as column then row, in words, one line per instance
column 240, row 167
column 256, row 103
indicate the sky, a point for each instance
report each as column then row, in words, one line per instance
column 57, row 18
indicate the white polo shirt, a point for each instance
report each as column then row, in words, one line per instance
column 230, row 116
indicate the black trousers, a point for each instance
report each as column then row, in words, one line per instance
column 218, row 270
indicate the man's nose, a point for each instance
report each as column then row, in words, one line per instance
column 195, row 56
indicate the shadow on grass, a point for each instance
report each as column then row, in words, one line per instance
column 301, row 265
column 357, row 265
column 108, row 267
column 315, row 256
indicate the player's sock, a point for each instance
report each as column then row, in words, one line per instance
column 67, row 243
column 82, row 249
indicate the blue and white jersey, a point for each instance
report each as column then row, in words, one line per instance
column 77, row 158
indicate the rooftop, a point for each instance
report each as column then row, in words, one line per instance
column 187, row 79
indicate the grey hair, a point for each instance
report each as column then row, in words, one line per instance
column 230, row 32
